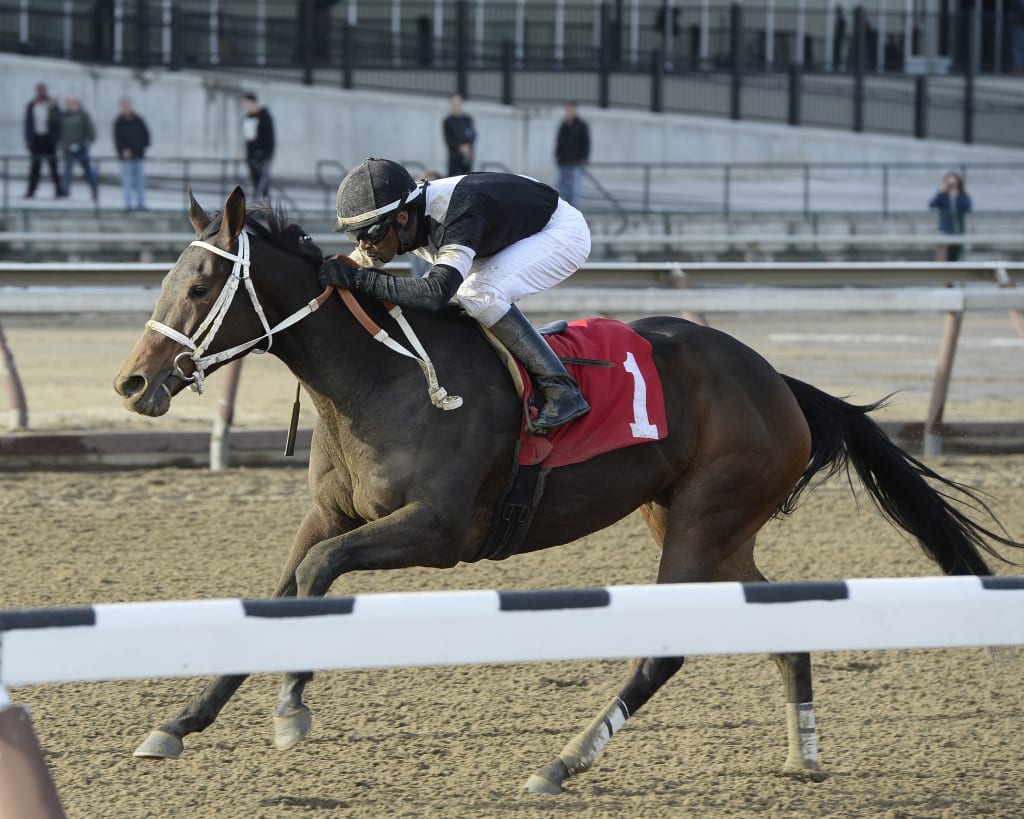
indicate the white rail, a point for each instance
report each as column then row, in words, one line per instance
column 187, row 638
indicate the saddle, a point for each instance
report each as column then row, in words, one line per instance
column 615, row 369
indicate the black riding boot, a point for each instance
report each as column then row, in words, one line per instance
column 563, row 400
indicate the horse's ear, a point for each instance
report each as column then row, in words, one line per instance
column 199, row 217
column 234, row 217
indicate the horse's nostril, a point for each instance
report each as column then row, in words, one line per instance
column 132, row 386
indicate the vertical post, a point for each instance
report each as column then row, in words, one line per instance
column 858, row 69
column 396, row 33
column 261, row 32
column 726, row 189
column 830, row 27
column 921, row 106
column 68, row 30
column 166, row 37
column 437, row 53
column 736, row 58
column 807, row 191
column 885, row 191
column 705, row 33
column 997, row 37
column 220, row 446
column 668, row 30
column 508, row 67
column 801, row 24
column 23, row 19
column 559, row 46
column 478, row 33
column 306, row 38
column 174, row 37
column 603, row 57
column 940, row 387
column 769, row 35
column 634, row 32
column 657, row 80
column 26, row 787
column 969, row 70
column 118, row 44
column 880, row 39
column 795, row 91
column 15, row 393
column 214, row 39
column 347, row 57
column 462, row 49
column 520, row 32
column 141, row 33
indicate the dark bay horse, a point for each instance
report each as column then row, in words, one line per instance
column 396, row 482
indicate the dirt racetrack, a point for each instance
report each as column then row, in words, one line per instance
column 903, row 733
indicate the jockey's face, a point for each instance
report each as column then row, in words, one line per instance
column 386, row 248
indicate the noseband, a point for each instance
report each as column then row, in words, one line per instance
column 201, row 339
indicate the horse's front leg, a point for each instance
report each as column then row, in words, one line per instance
column 412, row 536
column 202, row 710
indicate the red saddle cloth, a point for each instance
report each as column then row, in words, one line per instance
column 627, row 405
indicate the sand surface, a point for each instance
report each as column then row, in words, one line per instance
column 913, row 733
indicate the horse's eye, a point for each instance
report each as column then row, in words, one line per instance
column 198, row 291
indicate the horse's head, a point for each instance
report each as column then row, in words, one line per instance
column 197, row 324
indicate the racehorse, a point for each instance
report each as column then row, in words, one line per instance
column 396, row 482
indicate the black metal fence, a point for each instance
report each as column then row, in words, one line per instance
column 886, row 72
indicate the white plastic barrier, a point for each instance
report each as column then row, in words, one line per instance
column 186, row 638
column 579, row 301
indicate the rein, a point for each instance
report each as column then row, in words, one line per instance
column 201, row 339
column 439, row 396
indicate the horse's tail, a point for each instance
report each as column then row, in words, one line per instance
column 842, row 434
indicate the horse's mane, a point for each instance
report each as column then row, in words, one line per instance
column 274, row 225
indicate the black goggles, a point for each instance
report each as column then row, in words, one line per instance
column 372, row 234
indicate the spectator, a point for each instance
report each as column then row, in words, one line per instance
column 258, row 131
column 76, row 135
column 459, row 136
column 572, row 150
column 953, row 204
column 42, row 128
column 838, row 40
column 131, row 138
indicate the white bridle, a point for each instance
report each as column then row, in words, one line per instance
column 201, row 339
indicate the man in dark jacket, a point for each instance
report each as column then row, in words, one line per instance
column 459, row 136
column 77, row 134
column 258, row 131
column 131, row 138
column 42, row 128
column 572, row 150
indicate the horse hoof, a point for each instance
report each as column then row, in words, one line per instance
column 540, row 784
column 160, row 745
column 289, row 729
column 807, row 771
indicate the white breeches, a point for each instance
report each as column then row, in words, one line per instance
column 529, row 266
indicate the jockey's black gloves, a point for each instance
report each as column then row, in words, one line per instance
column 432, row 292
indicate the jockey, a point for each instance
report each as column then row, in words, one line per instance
column 491, row 238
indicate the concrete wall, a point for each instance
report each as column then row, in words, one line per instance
column 198, row 115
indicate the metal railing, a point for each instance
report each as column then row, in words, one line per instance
column 622, row 189
column 763, row 62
